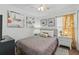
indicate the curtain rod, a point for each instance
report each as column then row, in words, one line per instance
column 64, row 15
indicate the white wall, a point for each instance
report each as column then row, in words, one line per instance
column 59, row 24
column 37, row 25
column 75, row 26
column 16, row 33
column 78, row 32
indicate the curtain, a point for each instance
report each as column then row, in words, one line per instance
column 68, row 28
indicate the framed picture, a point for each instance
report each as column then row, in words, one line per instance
column 15, row 20
column 51, row 22
column 30, row 22
column 43, row 22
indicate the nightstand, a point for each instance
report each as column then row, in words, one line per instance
column 65, row 41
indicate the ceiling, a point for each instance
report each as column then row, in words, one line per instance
column 54, row 9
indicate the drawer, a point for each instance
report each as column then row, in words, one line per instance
column 64, row 40
column 64, row 43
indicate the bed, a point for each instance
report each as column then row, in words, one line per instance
column 37, row 45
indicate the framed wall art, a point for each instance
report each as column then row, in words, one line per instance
column 51, row 22
column 30, row 21
column 15, row 20
column 43, row 22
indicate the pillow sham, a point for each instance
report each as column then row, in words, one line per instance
column 44, row 34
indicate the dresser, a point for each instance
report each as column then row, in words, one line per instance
column 65, row 41
column 7, row 46
column 0, row 26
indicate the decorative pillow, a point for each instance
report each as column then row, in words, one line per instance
column 44, row 34
column 41, row 34
column 51, row 33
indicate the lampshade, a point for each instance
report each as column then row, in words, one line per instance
column 42, row 8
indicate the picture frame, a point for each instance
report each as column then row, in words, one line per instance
column 30, row 21
column 15, row 20
column 51, row 22
column 43, row 22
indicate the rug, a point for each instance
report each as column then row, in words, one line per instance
column 62, row 51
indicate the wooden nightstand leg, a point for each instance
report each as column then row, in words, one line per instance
column 70, row 47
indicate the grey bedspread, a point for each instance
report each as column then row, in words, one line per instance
column 37, row 45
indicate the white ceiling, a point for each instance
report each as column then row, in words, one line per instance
column 54, row 9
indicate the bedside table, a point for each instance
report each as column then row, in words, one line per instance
column 65, row 41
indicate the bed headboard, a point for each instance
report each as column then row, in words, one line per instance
column 51, row 33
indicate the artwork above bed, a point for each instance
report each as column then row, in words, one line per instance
column 43, row 22
column 47, row 23
column 51, row 22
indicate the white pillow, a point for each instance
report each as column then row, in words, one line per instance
column 51, row 33
column 43, row 34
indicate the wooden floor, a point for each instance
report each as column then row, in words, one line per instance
column 73, row 52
